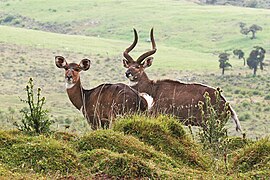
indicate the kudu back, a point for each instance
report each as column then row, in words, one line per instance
column 103, row 103
column 170, row 97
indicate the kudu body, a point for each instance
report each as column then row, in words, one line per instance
column 101, row 104
column 170, row 97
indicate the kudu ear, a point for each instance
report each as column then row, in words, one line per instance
column 148, row 62
column 60, row 61
column 85, row 64
column 125, row 63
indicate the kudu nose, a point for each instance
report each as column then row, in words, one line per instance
column 128, row 74
column 69, row 76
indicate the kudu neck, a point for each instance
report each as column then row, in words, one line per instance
column 76, row 94
column 144, row 84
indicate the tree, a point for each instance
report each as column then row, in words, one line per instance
column 253, row 28
column 223, row 64
column 261, row 55
column 240, row 54
column 244, row 30
column 255, row 58
column 210, row 1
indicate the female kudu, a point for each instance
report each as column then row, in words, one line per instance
column 101, row 104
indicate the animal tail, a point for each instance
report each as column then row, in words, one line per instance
column 235, row 118
column 233, row 115
column 149, row 99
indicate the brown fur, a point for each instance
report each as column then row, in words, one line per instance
column 103, row 103
column 170, row 97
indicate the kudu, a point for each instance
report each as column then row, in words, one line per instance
column 101, row 104
column 170, row 97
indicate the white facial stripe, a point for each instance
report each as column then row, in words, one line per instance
column 69, row 85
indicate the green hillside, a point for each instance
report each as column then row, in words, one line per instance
column 178, row 24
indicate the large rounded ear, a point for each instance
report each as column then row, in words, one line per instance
column 60, row 62
column 148, row 62
column 85, row 64
column 125, row 63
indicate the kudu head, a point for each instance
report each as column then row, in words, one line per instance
column 72, row 70
column 135, row 68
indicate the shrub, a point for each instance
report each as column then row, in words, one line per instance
column 8, row 19
column 267, row 97
column 35, row 118
column 251, row 3
column 214, row 133
column 245, row 116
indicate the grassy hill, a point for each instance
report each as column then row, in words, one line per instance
column 128, row 151
column 189, row 37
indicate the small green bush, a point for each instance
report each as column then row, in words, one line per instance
column 8, row 19
column 256, row 92
column 35, row 118
column 244, row 117
column 267, row 97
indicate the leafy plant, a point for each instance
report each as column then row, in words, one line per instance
column 35, row 118
column 213, row 135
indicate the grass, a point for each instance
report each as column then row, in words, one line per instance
column 189, row 37
column 127, row 153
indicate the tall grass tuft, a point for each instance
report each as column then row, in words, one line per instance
column 35, row 118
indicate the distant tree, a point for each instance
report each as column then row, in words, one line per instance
column 223, row 61
column 253, row 28
column 251, row 3
column 210, row 1
column 255, row 58
column 261, row 55
column 240, row 54
column 243, row 30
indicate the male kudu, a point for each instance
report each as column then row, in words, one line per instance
column 170, row 97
